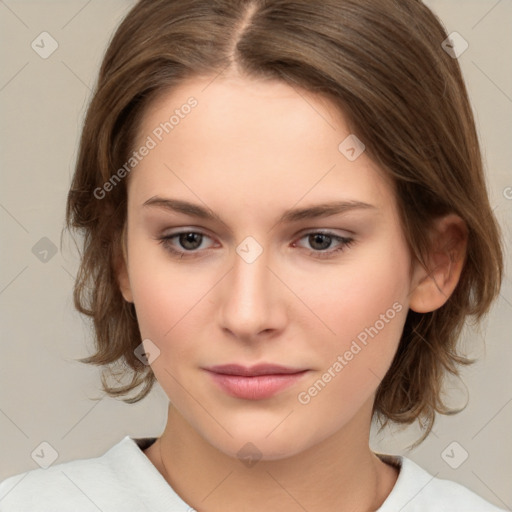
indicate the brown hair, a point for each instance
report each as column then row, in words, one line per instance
column 383, row 64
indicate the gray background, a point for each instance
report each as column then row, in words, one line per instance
column 47, row 396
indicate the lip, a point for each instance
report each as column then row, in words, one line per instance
column 256, row 382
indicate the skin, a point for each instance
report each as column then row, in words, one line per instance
column 249, row 151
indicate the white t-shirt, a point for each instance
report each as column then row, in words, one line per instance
column 125, row 480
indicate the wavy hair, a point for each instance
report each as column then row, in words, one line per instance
column 383, row 65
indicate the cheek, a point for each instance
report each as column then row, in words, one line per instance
column 354, row 363
column 374, row 296
column 365, row 304
column 163, row 292
column 167, row 305
column 365, row 290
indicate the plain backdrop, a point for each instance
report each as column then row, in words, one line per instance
column 45, row 395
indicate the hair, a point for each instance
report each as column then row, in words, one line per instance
column 382, row 64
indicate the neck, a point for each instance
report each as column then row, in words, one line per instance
column 339, row 474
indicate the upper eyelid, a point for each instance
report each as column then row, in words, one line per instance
column 315, row 214
column 302, row 232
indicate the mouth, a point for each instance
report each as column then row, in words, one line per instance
column 257, row 382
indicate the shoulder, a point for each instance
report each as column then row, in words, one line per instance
column 416, row 490
column 84, row 484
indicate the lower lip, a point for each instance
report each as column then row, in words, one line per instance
column 255, row 388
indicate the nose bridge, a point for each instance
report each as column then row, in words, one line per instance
column 250, row 275
column 249, row 298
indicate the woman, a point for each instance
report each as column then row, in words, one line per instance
column 286, row 224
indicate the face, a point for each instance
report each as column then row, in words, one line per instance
column 275, row 319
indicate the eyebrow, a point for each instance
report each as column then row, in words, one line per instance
column 292, row 215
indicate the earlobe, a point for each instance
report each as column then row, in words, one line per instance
column 432, row 287
column 124, row 283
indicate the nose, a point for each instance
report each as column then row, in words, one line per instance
column 252, row 302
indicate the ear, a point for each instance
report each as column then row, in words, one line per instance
column 431, row 288
column 123, row 278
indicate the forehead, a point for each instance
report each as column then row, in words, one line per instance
column 263, row 142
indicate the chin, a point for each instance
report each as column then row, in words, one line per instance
column 256, row 443
column 247, row 450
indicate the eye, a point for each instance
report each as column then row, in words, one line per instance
column 189, row 242
column 320, row 241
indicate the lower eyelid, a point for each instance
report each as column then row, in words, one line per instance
column 166, row 241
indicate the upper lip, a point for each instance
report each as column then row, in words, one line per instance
column 252, row 371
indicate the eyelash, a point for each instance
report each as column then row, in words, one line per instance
column 345, row 243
